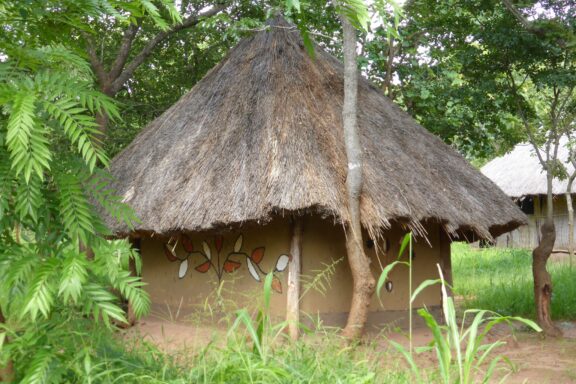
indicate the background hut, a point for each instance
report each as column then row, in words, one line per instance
column 248, row 170
column 520, row 175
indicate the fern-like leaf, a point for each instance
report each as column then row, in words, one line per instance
column 38, row 372
column 75, row 209
column 40, row 297
column 101, row 304
column 74, row 275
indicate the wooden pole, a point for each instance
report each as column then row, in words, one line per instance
column 446, row 259
column 130, row 315
column 294, row 269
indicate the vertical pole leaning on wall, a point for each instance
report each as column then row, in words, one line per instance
column 294, row 270
column 130, row 315
column 446, row 259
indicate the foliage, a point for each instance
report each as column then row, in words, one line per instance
column 55, row 264
column 460, row 350
column 454, row 63
column 500, row 280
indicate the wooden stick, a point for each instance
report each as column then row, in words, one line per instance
column 294, row 269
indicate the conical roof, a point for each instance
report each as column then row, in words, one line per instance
column 519, row 172
column 262, row 135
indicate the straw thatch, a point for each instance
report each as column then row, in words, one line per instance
column 261, row 135
column 519, row 172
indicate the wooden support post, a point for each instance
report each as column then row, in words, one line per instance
column 446, row 259
column 294, row 269
column 130, row 316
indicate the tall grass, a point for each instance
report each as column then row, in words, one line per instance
column 500, row 280
column 255, row 350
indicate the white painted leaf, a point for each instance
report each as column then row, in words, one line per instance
column 252, row 270
column 238, row 244
column 183, row 269
column 282, row 262
column 207, row 251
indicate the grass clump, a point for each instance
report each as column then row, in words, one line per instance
column 500, row 280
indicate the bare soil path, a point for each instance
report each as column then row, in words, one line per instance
column 535, row 359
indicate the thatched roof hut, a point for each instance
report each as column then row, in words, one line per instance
column 520, row 175
column 519, row 172
column 261, row 135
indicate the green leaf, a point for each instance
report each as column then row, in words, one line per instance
column 384, row 276
column 292, row 4
column 406, row 240
column 425, row 284
column 40, row 296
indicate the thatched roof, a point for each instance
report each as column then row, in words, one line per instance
column 519, row 173
column 261, row 135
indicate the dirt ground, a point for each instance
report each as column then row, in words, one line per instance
column 535, row 359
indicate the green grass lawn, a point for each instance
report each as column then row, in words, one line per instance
column 500, row 279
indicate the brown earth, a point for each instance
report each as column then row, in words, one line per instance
column 534, row 359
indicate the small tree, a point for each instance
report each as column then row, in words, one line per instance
column 364, row 282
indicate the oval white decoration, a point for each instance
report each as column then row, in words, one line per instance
column 282, row 262
column 252, row 270
column 238, row 244
column 207, row 251
column 183, row 269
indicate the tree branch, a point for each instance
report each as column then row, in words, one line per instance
column 389, row 68
column 95, row 62
column 161, row 36
column 517, row 14
column 123, row 51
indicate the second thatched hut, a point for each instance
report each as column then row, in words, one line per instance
column 520, row 175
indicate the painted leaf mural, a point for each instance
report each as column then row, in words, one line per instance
column 282, row 263
column 231, row 265
column 276, row 284
column 258, row 255
column 204, row 267
column 183, row 269
column 238, row 244
column 187, row 244
column 222, row 264
column 169, row 253
column 207, row 251
column 218, row 242
column 252, row 270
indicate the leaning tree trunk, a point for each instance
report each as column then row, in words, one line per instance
column 542, row 279
column 364, row 282
column 570, row 217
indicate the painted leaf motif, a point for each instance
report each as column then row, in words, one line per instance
column 187, row 244
column 218, row 241
column 169, row 254
column 207, row 251
column 282, row 262
column 231, row 265
column 183, row 269
column 204, row 267
column 257, row 255
column 276, row 284
column 252, row 270
column 238, row 244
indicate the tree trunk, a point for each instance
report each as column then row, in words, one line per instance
column 364, row 282
column 294, row 267
column 542, row 279
column 570, row 218
column 6, row 371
